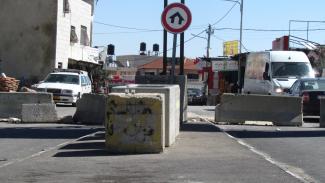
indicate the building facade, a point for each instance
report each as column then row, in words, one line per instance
column 38, row 36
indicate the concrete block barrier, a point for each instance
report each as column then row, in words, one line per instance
column 11, row 103
column 135, row 123
column 180, row 80
column 281, row 110
column 39, row 113
column 91, row 109
column 172, row 105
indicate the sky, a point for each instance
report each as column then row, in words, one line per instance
column 127, row 23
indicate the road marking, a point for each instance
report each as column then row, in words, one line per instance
column 296, row 172
column 45, row 150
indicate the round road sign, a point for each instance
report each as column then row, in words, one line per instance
column 176, row 18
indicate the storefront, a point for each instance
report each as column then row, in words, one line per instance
column 225, row 76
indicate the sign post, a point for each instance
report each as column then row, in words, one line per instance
column 175, row 18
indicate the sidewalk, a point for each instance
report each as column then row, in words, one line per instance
column 201, row 154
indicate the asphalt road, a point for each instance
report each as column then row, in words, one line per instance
column 298, row 150
column 203, row 152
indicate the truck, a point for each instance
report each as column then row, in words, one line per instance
column 273, row 72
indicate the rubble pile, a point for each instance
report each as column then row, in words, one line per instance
column 8, row 84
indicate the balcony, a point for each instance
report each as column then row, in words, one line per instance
column 84, row 53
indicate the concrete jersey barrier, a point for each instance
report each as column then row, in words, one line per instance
column 281, row 110
column 172, row 105
column 11, row 102
column 91, row 109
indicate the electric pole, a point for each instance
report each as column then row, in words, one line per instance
column 209, row 31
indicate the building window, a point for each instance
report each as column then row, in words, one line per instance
column 84, row 39
column 192, row 76
column 66, row 6
column 73, row 35
column 60, row 65
column 149, row 73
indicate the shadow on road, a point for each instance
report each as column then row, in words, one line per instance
column 70, row 132
column 276, row 134
column 199, row 127
column 89, row 146
column 95, row 145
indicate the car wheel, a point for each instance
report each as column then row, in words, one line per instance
column 74, row 104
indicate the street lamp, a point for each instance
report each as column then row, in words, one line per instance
column 241, row 3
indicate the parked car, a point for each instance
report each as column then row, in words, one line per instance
column 195, row 96
column 310, row 89
column 67, row 86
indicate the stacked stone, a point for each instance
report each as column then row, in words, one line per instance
column 8, row 84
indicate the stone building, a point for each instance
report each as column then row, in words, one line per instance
column 37, row 36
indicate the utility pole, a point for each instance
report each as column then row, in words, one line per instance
column 209, row 32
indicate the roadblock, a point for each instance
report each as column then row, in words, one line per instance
column 91, row 109
column 172, row 105
column 281, row 110
column 180, row 80
column 39, row 113
column 11, row 102
column 135, row 123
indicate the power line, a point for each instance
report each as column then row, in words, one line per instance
column 267, row 30
column 196, row 35
column 125, row 27
column 135, row 32
column 224, row 15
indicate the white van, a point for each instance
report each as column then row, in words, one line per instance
column 271, row 72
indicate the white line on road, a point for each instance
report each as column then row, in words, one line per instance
column 45, row 150
column 291, row 170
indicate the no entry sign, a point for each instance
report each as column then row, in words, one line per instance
column 176, row 18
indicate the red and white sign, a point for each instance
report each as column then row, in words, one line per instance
column 176, row 18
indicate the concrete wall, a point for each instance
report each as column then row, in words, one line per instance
column 172, row 105
column 164, row 79
column 39, row 113
column 135, row 123
column 27, row 41
column 91, row 109
column 11, row 103
column 281, row 110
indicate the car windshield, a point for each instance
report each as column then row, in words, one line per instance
column 313, row 85
column 194, row 91
column 62, row 78
column 291, row 69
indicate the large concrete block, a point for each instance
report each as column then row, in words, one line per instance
column 91, row 109
column 135, row 123
column 11, row 103
column 172, row 105
column 39, row 113
column 180, row 80
column 281, row 110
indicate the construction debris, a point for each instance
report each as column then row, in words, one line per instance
column 8, row 84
